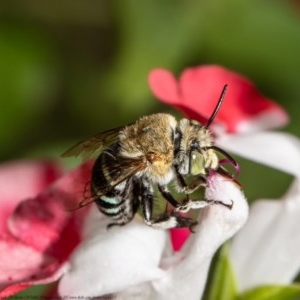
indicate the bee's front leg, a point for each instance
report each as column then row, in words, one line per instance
column 197, row 204
column 168, row 219
column 189, row 189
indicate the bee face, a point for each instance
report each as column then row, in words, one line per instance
column 194, row 155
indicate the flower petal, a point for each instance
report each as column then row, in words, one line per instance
column 20, row 180
column 271, row 242
column 244, row 109
column 178, row 237
column 34, row 248
column 164, row 86
column 270, row 236
column 109, row 261
column 216, row 224
column 24, row 266
column 38, row 222
column 274, row 149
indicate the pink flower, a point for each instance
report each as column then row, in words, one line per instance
column 37, row 234
column 266, row 250
column 196, row 94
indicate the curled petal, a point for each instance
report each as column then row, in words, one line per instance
column 109, row 261
column 20, row 180
column 34, row 246
column 199, row 88
column 216, row 224
column 40, row 221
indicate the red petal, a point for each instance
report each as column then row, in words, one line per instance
column 20, row 180
column 201, row 88
column 13, row 289
column 39, row 222
column 164, row 86
column 244, row 108
column 42, row 234
column 178, row 237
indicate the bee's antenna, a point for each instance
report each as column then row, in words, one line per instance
column 213, row 115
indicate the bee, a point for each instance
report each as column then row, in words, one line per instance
column 148, row 154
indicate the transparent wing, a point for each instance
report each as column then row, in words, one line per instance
column 121, row 171
column 94, row 144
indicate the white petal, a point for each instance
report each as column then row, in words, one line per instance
column 109, row 261
column 267, row 249
column 275, row 149
column 272, row 118
column 187, row 279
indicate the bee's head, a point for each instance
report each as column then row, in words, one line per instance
column 195, row 152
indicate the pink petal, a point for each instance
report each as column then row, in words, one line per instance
column 244, row 108
column 178, row 237
column 23, row 266
column 164, row 86
column 39, row 221
column 41, row 234
column 14, row 289
column 20, row 180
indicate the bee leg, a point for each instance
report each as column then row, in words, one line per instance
column 199, row 182
column 197, row 204
column 168, row 196
column 171, row 220
column 166, row 220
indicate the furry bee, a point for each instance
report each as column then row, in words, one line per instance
column 152, row 152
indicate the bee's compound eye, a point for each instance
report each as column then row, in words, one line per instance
column 197, row 163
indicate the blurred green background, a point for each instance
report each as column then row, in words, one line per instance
column 70, row 69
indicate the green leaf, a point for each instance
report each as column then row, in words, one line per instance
column 222, row 284
column 274, row 292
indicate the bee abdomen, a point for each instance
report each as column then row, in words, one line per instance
column 110, row 206
column 114, row 201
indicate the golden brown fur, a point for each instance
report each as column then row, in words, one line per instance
column 151, row 137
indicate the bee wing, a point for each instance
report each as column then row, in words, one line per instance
column 96, row 143
column 120, row 172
